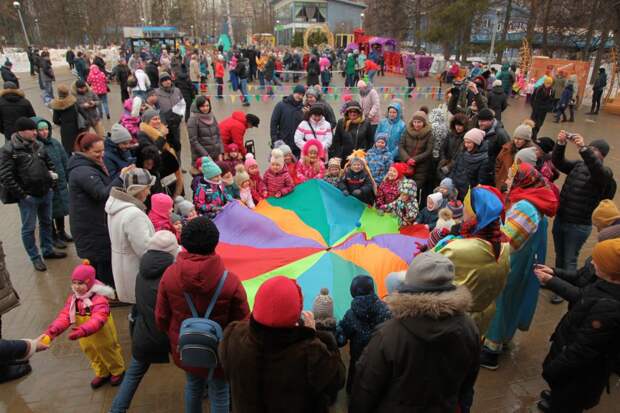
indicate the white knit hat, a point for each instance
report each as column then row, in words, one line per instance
column 164, row 241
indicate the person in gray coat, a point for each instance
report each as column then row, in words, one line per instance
column 203, row 131
column 171, row 109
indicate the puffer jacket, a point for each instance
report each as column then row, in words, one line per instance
column 387, row 192
column 13, row 105
column 285, row 118
column 425, row 359
column 584, row 187
column 495, row 138
column 278, row 182
column 418, row 145
column 97, row 80
column 358, row 181
column 470, row 170
column 148, row 344
column 58, row 156
column 450, row 149
column 309, row 130
column 116, row 159
column 305, row 172
column 232, row 130
column 25, row 168
column 393, row 128
column 379, row 161
column 371, row 106
column 66, row 116
column 346, row 141
column 91, row 113
column 8, row 295
column 130, row 232
column 210, row 197
column 504, row 161
column 497, row 101
column 204, row 134
column 438, row 119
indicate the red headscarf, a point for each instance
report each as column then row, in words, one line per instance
column 529, row 184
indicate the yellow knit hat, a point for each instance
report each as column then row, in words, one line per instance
column 606, row 255
column 605, row 214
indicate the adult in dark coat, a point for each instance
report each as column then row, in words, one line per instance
column 90, row 185
column 187, row 90
column 497, row 100
column 313, row 97
column 60, row 201
column 81, row 67
column 121, row 73
column 285, row 118
column 495, row 136
column 416, row 148
column 152, row 72
column 70, row 58
column 597, row 91
column 471, row 166
column 13, row 105
column 148, row 344
column 452, row 146
column 7, row 73
column 543, row 101
column 425, row 359
column 585, row 343
column 313, row 71
column 118, row 150
column 14, row 355
column 65, row 115
column 274, row 362
column 352, row 132
column 588, row 181
column 203, row 131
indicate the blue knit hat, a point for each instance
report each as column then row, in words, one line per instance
column 210, row 168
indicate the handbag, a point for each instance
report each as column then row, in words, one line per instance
column 82, row 123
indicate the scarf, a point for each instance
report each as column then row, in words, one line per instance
column 99, row 162
column 85, row 299
column 348, row 122
column 491, row 233
column 529, row 184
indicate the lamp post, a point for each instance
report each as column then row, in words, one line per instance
column 36, row 30
column 493, row 33
column 192, row 27
column 19, row 13
column 361, row 20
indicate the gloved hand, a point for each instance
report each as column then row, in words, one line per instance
column 76, row 333
column 411, row 162
column 54, row 175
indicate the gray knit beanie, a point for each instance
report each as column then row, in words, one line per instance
column 119, row 134
column 323, row 305
column 523, row 132
column 429, row 272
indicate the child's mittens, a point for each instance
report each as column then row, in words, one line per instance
column 77, row 333
column 52, row 332
column 411, row 162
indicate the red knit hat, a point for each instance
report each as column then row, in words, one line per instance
column 401, row 167
column 85, row 273
column 278, row 303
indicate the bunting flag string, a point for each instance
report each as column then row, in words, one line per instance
column 436, row 95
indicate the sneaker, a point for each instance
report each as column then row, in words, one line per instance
column 62, row 235
column 54, row 255
column 246, row 103
column 14, row 372
column 489, row 360
column 546, row 395
column 108, row 116
column 544, row 406
column 99, row 381
column 116, row 380
column 556, row 299
column 39, row 265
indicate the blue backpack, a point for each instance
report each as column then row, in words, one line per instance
column 199, row 337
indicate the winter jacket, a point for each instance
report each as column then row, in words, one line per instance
column 65, row 115
column 45, row 70
column 257, row 187
column 14, row 350
column 477, row 269
column 313, row 71
column 81, row 68
column 418, row 145
column 89, row 190
column 495, row 138
column 305, row 172
column 379, row 161
column 280, row 369
column 564, row 281
column 188, row 91
column 504, row 161
column 131, row 123
column 116, row 159
column 471, row 169
column 97, row 80
column 8, row 295
column 90, row 113
column 145, row 79
column 25, row 168
column 426, row 359
column 9, row 76
column 98, row 312
column 285, row 118
column 387, row 193
column 405, row 211
column 584, row 346
column 219, row 70
column 438, row 119
column 198, row 276
column 350, row 66
column 371, row 106
column 280, row 182
column 601, row 82
column 204, row 135
column 210, row 198
column 559, row 83
column 427, row 217
column 358, row 185
column 585, row 185
column 358, row 136
column 497, row 101
column 309, row 130
column 167, row 99
column 58, row 156
column 232, row 130
column 130, row 232
column 507, row 78
column 393, row 128
column 566, row 96
column 13, row 105
column 543, row 99
column 450, row 149
column 148, row 343
column 194, row 70
column 366, row 314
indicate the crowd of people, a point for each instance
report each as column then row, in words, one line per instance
column 147, row 236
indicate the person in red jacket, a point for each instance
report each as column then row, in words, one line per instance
column 277, row 181
column 219, row 76
column 197, row 272
column 232, row 129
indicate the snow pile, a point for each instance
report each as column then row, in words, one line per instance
column 19, row 58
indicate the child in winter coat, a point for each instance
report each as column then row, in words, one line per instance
column 185, row 209
column 311, row 165
column 323, row 310
column 471, row 166
column 379, row 158
column 210, row 196
column 366, row 313
column 388, row 191
column 232, row 156
column 289, row 161
column 228, row 179
column 447, row 189
column 276, row 181
column 130, row 118
column 256, row 182
column 334, row 172
column 357, row 180
column 405, row 207
column 244, row 183
column 177, row 223
column 429, row 214
column 88, row 313
column 445, row 219
column 161, row 208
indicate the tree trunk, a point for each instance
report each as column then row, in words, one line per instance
column 418, row 22
column 531, row 22
column 545, row 45
column 502, row 44
column 585, row 53
column 601, row 49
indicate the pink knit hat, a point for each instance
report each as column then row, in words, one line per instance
column 475, row 135
column 249, row 161
column 85, row 273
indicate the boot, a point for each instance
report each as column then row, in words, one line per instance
column 60, row 228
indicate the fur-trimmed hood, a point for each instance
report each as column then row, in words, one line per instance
column 104, row 290
column 431, row 305
column 6, row 92
column 63, row 103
